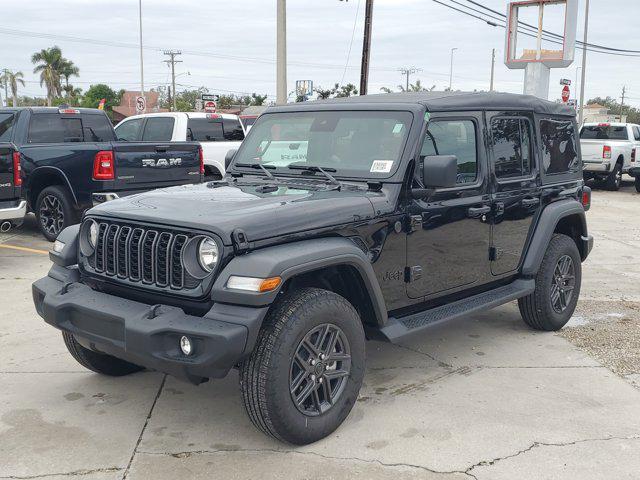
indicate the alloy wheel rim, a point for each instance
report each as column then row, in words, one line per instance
column 320, row 369
column 51, row 215
column 563, row 284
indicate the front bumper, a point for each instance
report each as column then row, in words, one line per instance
column 148, row 335
column 14, row 210
column 587, row 246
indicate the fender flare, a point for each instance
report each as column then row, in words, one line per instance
column 216, row 164
column 39, row 171
column 291, row 259
column 546, row 225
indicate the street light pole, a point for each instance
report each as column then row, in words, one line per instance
column 141, row 60
column 493, row 66
column 584, row 63
column 451, row 68
column 281, row 52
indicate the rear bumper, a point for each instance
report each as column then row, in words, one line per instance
column 14, row 210
column 602, row 167
column 148, row 335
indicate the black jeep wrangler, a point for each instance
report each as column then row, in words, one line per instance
column 369, row 217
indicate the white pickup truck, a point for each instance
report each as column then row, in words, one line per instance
column 217, row 133
column 609, row 150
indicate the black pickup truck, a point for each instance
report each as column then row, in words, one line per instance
column 70, row 160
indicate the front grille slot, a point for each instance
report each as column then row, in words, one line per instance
column 141, row 255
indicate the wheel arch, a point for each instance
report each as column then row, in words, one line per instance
column 43, row 177
column 566, row 217
column 335, row 264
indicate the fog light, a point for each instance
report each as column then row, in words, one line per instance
column 185, row 345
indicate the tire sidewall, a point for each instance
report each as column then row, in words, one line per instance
column 67, row 208
column 289, row 422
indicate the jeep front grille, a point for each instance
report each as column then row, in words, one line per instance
column 146, row 256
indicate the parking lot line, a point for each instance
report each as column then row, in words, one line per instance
column 24, row 249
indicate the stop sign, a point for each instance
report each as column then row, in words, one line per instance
column 210, row 106
column 565, row 93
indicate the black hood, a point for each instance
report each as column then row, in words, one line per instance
column 262, row 209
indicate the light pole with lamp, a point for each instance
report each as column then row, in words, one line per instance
column 451, row 68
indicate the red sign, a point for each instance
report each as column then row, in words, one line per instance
column 210, row 106
column 565, row 93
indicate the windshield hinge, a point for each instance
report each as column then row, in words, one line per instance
column 414, row 223
column 240, row 241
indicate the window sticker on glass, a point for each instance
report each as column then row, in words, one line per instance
column 398, row 128
column 381, row 166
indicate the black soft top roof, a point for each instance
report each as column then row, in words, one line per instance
column 459, row 101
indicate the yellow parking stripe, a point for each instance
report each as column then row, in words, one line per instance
column 24, row 249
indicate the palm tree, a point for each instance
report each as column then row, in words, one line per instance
column 49, row 68
column 67, row 69
column 413, row 87
column 12, row 80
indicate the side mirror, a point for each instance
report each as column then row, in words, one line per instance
column 440, row 171
column 228, row 158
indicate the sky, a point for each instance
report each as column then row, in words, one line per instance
column 229, row 46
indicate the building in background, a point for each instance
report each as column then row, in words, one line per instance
column 127, row 105
column 596, row 113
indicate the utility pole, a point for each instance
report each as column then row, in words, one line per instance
column 584, row 63
column 493, row 67
column 624, row 91
column 281, row 52
column 172, row 61
column 451, row 68
column 409, row 71
column 366, row 48
column 141, row 60
column 6, row 93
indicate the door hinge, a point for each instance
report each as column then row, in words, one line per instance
column 240, row 241
column 415, row 223
column 411, row 274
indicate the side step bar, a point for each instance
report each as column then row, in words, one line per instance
column 398, row 328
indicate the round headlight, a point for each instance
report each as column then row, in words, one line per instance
column 208, row 254
column 92, row 234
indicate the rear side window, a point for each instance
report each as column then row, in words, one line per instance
column 97, row 128
column 158, row 129
column 453, row 137
column 604, row 132
column 129, row 131
column 511, row 147
column 232, row 130
column 53, row 128
column 205, row 130
column 559, row 150
column 636, row 133
column 6, row 126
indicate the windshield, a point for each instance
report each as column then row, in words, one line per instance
column 350, row 143
column 604, row 132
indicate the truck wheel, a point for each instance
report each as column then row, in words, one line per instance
column 98, row 362
column 55, row 211
column 614, row 179
column 305, row 372
column 638, row 184
column 558, row 281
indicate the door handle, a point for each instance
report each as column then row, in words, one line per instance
column 530, row 202
column 475, row 212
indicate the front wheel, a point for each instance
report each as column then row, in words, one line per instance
column 305, row 372
column 558, row 282
column 98, row 362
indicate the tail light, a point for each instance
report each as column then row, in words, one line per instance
column 17, row 170
column 606, row 152
column 586, row 198
column 201, row 156
column 633, row 155
column 103, row 166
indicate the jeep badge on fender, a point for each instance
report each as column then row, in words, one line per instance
column 279, row 268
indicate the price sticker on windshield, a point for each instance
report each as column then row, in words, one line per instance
column 381, row 166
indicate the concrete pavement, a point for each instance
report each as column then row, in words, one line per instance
column 483, row 397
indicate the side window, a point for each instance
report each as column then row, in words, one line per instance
column 636, row 133
column 559, row 150
column 97, row 128
column 453, row 137
column 52, row 128
column 232, row 130
column 204, row 130
column 511, row 147
column 158, row 129
column 129, row 131
column 6, row 126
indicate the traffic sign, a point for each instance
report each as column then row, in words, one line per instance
column 207, row 97
column 565, row 81
column 141, row 104
column 210, row 106
column 565, row 93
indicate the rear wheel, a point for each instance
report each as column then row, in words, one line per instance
column 55, row 211
column 98, row 362
column 305, row 372
column 614, row 180
column 558, row 282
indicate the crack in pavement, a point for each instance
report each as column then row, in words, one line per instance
column 144, row 427
column 66, row 474
column 428, row 355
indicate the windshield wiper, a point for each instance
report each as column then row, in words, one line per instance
column 313, row 168
column 258, row 166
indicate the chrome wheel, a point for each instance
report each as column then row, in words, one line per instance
column 51, row 215
column 319, row 369
column 563, row 283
